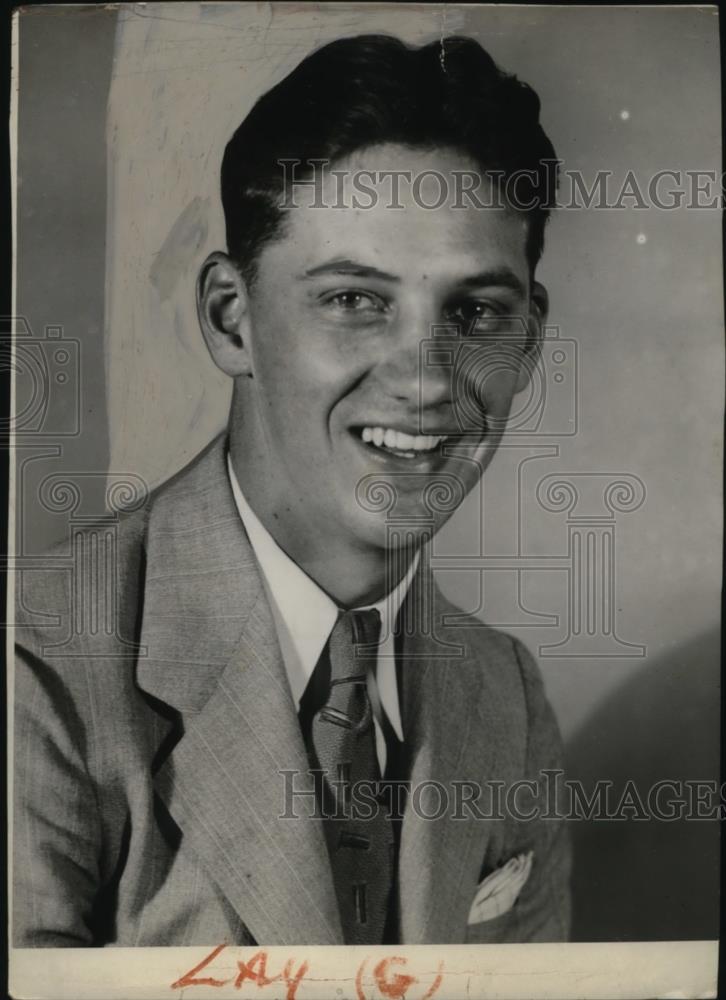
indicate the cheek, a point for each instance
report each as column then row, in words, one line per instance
column 281, row 358
column 303, row 368
column 501, row 374
column 488, row 386
column 500, row 390
column 296, row 386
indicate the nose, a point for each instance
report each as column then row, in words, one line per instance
column 414, row 370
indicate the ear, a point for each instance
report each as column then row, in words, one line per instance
column 223, row 311
column 538, row 309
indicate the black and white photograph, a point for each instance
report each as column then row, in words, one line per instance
column 365, row 543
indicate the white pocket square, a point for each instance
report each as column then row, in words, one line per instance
column 498, row 891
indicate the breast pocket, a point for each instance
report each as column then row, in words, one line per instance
column 498, row 930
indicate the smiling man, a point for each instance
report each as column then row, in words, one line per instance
column 227, row 773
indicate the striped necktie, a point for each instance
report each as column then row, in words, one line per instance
column 343, row 737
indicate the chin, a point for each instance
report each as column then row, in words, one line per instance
column 404, row 531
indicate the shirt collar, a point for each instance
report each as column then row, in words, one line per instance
column 304, row 614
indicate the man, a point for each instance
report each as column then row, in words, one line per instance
column 282, row 646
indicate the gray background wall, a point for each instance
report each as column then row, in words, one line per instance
column 122, row 120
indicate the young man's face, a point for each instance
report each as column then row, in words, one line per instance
column 345, row 393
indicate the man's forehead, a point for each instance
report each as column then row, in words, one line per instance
column 354, row 210
column 411, row 241
column 400, row 175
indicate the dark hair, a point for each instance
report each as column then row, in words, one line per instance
column 374, row 89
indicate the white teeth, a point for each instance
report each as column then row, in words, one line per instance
column 399, row 441
column 404, row 442
column 425, row 443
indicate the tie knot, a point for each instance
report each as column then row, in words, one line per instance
column 353, row 642
column 365, row 627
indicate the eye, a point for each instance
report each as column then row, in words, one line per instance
column 473, row 313
column 354, row 301
column 351, row 300
column 481, row 318
column 354, row 306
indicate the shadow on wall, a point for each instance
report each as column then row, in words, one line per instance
column 650, row 879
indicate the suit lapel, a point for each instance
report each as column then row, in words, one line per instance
column 213, row 656
column 451, row 729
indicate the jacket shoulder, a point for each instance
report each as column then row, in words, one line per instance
column 481, row 638
column 92, row 581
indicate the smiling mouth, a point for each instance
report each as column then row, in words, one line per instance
column 402, row 445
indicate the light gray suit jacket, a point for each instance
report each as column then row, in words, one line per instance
column 147, row 763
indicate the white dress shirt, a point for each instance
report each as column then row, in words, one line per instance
column 304, row 618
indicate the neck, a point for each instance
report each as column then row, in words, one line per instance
column 351, row 579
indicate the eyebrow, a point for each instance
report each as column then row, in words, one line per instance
column 502, row 277
column 351, row 267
